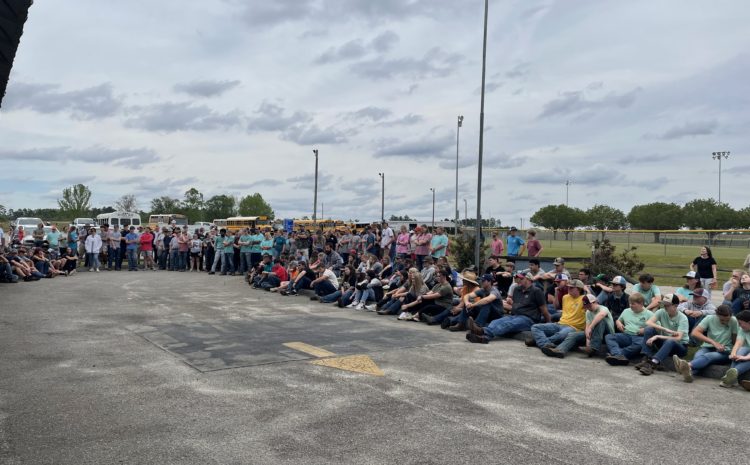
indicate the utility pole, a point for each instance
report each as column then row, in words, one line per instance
column 719, row 156
column 466, row 213
column 433, row 207
column 315, row 197
column 567, row 191
column 478, row 238
column 458, row 132
column 382, row 197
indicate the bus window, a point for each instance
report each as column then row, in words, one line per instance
column 114, row 222
column 136, row 221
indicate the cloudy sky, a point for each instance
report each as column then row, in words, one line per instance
column 626, row 99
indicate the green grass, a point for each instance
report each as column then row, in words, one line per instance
column 653, row 255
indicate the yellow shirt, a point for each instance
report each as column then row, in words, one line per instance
column 573, row 313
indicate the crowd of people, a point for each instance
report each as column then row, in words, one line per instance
column 407, row 274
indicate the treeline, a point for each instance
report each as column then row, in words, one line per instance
column 75, row 202
column 696, row 214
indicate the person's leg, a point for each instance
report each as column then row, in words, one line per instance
column 303, row 283
column 561, row 334
column 542, row 331
column 508, row 325
column 616, row 341
column 217, row 260
column 634, row 348
column 742, row 367
column 648, row 350
column 668, row 348
column 707, row 356
column 97, row 265
column 572, row 339
column 229, row 258
column 420, row 262
column 332, row 297
column 597, row 335
column 324, row 288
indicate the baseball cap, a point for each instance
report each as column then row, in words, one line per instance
column 691, row 275
column 524, row 275
column 576, row 283
column 619, row 280
column 562, row 277
column 700, row 292
column 559, row 261
column 513, row 228
column 669, row 299
column 588, row 299
column 601, row 277
column 487, row 277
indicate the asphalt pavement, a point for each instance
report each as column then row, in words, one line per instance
column 185, row 368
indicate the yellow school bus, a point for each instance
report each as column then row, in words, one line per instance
column 237, row 223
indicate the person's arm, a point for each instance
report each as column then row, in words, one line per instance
column 693, row 267
column 620, row 325
column 701, row 336
column 655, row 301
column 674, row 335
column 738, row 343
column 541, row 248
column 713, row 269
column 545, row 313
column 730, row 292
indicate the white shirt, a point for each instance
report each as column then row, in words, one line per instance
column 331, row 277
column 93, row 243
column 386, row 237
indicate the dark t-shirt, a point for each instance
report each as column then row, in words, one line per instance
column 446, row 295
column 497, row 304
column 526, row 302
column 744, row 296
column 617, row 304
column 704, row 267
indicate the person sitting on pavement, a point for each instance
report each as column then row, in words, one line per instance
column 618, row 300
column 573, row 318
column 528, row 308
column 732, row 284
column 326, row 283
column 626, row 344
column 739, row 293
column 667, row 334
column 717, row 332
column 740, row 355
column 448, row 319
column 650, row 292
column 333, row 261
column 428, row 271
column 559, row 268
column 685, row 292
column 601, row 287
column 412, row 288
column 435, row 302
column 599, row 323
column 555, row 295
column 698, row 308
column 482, row 306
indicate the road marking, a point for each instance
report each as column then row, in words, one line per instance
column 308, row 349
column 356, row 363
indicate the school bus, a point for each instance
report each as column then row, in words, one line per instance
column 220, row 223
column 156, row 222
column 237, row 223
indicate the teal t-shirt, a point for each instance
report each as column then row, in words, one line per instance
column 684, row 292
column 720, row 333
column 266, row 246
column 229, row 244
column 648, row 295
column 607, row 319
column 437, row 241
column 633, row 322
column 679, row 322
column 256, row 239
column 53, row 239
column 745, row 336
column 219, row 243
column 246, row 238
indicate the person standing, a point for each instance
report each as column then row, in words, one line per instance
column 497, row 245
column 93, row 246
column 113, row 240
column 516, row 245
column 422, row 245
column 533, row 245
column 387, row 242
column 147, row 248
column 245, row 247
column 131, row 241
column 53, row 239
column 438, row 243
column 228, row 265
column 705, row 266
column 38, row 235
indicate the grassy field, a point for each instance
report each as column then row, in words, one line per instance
column 654, row 257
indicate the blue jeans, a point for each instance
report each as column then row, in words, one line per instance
column 183, row 264
column 707, row 356
column 112, row 257
column 737, row 306
column 742, row 367
column 174, row 259
column 420, row 261
column 244, row 262
column 228, row 263
column 624, row 344
column 324, row 288
column 507, row 325
column 332, row 297
column 43, row 267
column 666, row 348
column 578, row 338
column 132, row 259
column 550, row 333
column 303, row 283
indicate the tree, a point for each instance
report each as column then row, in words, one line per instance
column 165, row 204
column 744, row 218
column 604, row 217
column 193, row 204
column 605, row 261
column 75, row 201
column 558, row 217
column 656, row 215
column 710, row 214
column 254, row 205
column 127, row 203
column 3, row 213
column 220, row 206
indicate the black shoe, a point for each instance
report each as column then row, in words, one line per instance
column 457, row 327
column 617, row 360
column 643, row 362
column 211, row 272
column 473, row 338
column 315, row 297
column 552, row 352
column 530, row 342
column 430, row 320
column 340, row 303
column 445, row 324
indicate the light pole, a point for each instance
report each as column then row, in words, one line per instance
column 719, row 156
column 433, row 206
column 315, row 197
column 477, row 245
column 466, row 213
column 567, row 190
column 458, row 132
column 382, row 197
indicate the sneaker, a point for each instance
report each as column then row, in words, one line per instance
column 314, row 297
column 457, row 327
column 445, row 324
column 552, row 352
column 97, row 270
column 645, row 361
column 475, row 339
column 730, row 377
column 647, row 369
column 370, row 308
column 401, row 316
column 91, row 270
column 617, row 360
column 745, row 384
column 353, row 304
column 530, row 342
column 283, row 292
column 361, row 306
column 682, row 367
column 474, row 327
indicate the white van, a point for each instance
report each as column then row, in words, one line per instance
column 122, row 219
